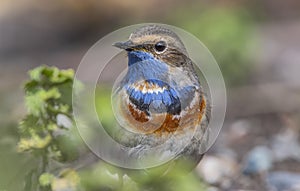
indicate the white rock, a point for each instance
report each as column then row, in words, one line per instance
column 64, row 121
column 217, row 170
column 285, row 145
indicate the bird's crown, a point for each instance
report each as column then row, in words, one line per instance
column 159, row 41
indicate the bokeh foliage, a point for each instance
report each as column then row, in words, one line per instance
column 46, row 131
column 227, row 32
column 49, row 136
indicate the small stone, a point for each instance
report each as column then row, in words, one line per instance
column 258, row 160
column 239, row 129
column 285, row 145
column 281, row 181
column 217, row 170
column 63, row 120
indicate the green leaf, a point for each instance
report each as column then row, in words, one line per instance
column 35, row 74
column 46, row 179
column 35, row 142
column 31, row 86
column 30, row 121
column 37, row 103
column 51, row 126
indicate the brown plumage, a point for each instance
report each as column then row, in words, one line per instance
column 158, row 52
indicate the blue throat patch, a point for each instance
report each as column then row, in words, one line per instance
column 142, row 66
column 152, row 73
column 138, row 56
column 166, row 100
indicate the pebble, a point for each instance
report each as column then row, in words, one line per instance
column 217, row 170
column 63, row 120
column 259, row 160
column 283, row 181
column 239, row 129
column 285, row 145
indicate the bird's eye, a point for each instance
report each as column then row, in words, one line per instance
column 160, row 46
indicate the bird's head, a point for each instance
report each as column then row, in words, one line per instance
column 153, row 41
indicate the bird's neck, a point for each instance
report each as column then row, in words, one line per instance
column 135, row 57
column 143, row 66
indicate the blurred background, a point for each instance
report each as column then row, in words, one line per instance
column 256, row 43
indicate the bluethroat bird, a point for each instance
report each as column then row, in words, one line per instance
column 160, row 101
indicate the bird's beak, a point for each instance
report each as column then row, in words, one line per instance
column 127, row 45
